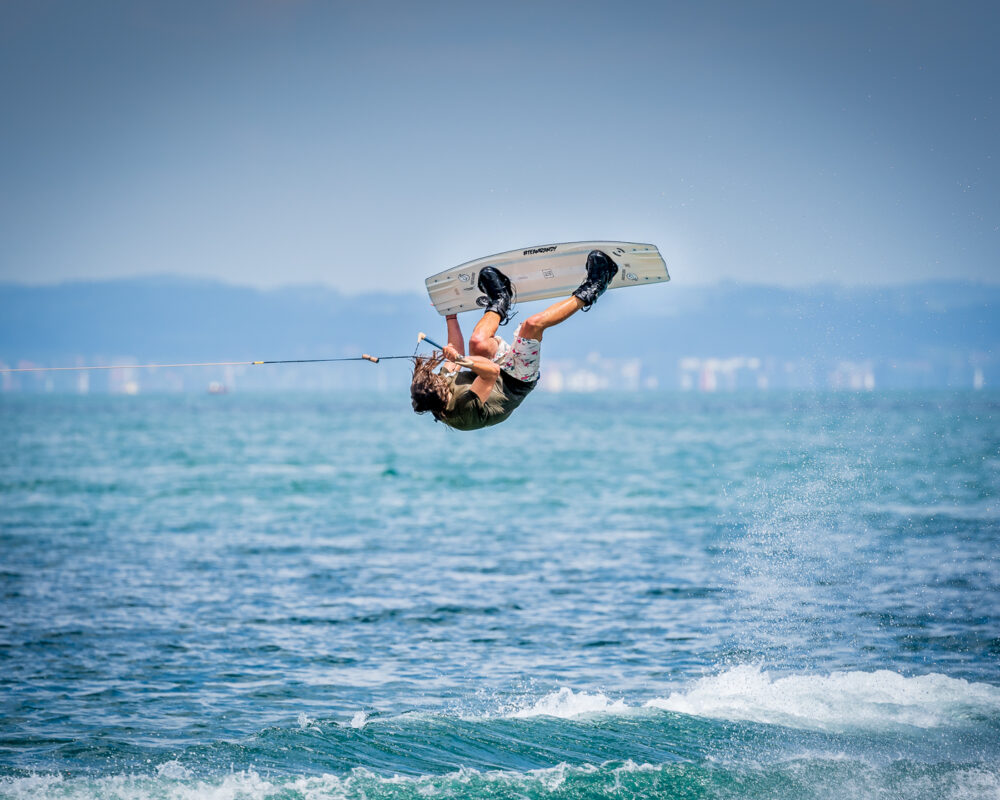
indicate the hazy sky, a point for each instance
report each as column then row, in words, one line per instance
column 368, row 144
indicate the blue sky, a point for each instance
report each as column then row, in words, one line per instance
column 365, row 145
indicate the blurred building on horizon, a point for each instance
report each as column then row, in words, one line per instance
column 725, row 338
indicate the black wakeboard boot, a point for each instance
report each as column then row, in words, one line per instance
column 496, row 286
column 600, row 270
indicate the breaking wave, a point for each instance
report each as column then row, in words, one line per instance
column 580, row 744
column 839, row 701
column 815, row 778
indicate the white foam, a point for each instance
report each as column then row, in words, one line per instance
column 848, row 780
column 839, row 701
column 173, row 770
column 243, row 785
column 360, row 719
column 566, row 704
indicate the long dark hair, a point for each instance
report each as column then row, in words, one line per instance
column 428, row 390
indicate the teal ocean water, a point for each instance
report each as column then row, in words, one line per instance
column 658, row 595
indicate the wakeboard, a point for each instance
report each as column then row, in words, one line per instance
column 543, row 272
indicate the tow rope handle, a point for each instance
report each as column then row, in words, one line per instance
column 422, row 337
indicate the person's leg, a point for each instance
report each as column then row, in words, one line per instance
column 600, row 270
column 483, row 340
column 560, row 311
column 496, row 286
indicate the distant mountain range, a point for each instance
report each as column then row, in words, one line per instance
column 928, row 334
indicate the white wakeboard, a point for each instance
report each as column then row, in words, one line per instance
column 540, row 273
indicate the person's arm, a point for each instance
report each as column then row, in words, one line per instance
column 487, row 372
column 456, row 343
column 455, row 338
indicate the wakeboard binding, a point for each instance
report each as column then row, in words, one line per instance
column 600, row 271
column 499, row 292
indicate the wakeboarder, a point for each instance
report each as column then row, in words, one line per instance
column 497, row 376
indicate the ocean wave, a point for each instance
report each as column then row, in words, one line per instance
column 839, row 701
column 834, row 702
column 566, row 704
column 807, row 778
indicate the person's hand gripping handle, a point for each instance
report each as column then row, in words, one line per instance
column 446, row 349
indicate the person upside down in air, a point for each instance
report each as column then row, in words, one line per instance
column 497, row 375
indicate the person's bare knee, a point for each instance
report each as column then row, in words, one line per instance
column 481, row 344
column 532, row 327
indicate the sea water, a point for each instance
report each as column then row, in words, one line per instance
column 659, row 595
